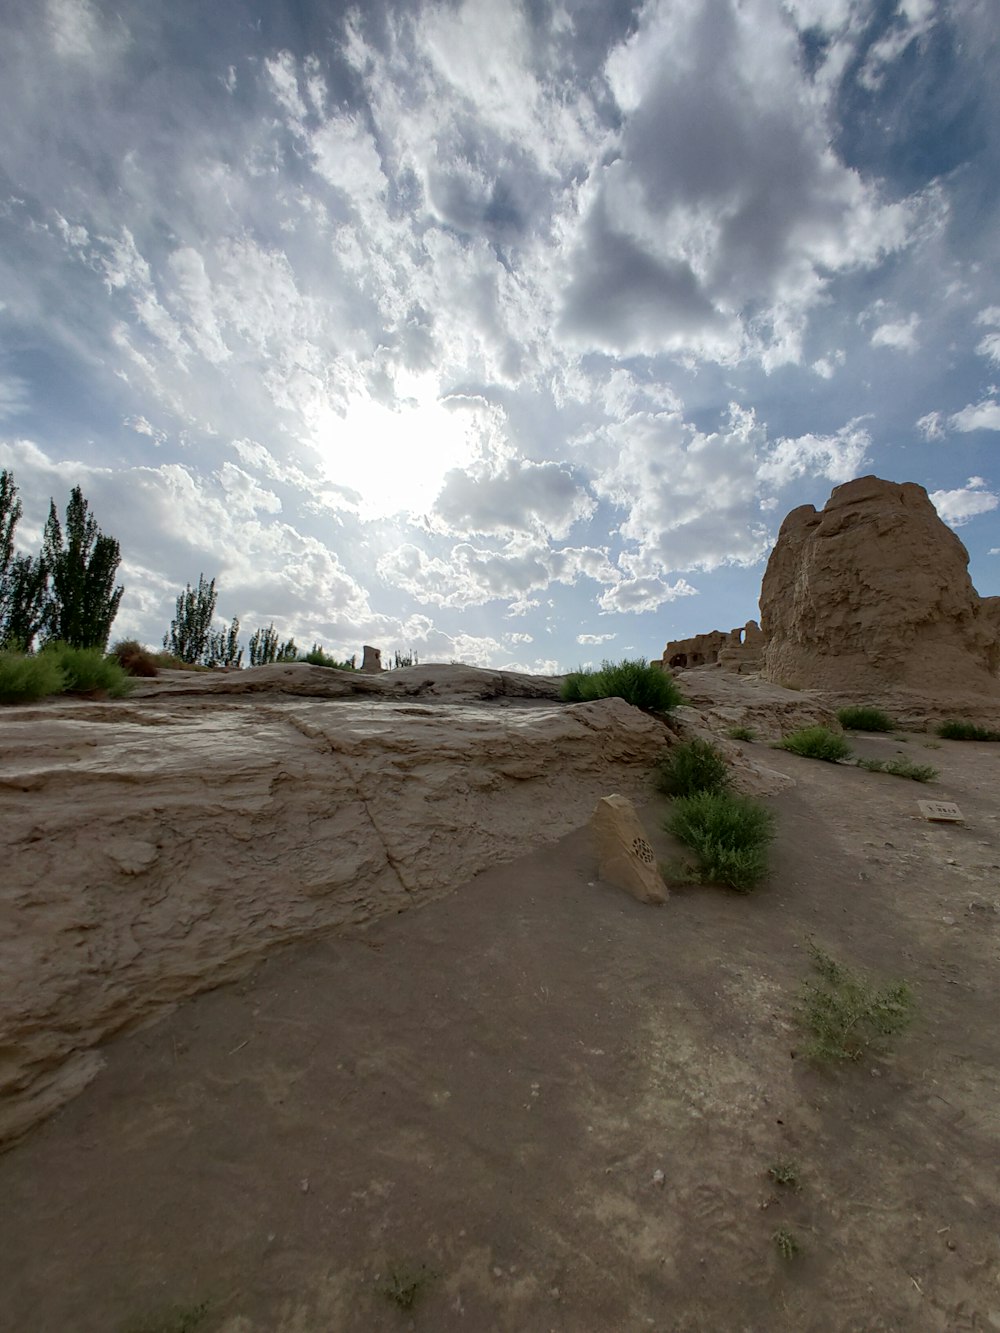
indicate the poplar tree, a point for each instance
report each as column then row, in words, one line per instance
column 190, row 629
column 81, row 564
column 23, row 578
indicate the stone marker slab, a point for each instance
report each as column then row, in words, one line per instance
column 944, row 812
column 624, row 857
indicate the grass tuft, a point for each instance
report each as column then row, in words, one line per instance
column 692, row 767
column 846, row 1013
column 25, row 678
column 817, row 743
column 644, row 686
column 730, row 835
column 404, row 1284
column 176, row 1320
column 87, row 670
column 864, row 719
column 785, row 1173
column 966, row 731
column 900, row 768
column 907, row 768
column 741, row 734
column 785, row 1240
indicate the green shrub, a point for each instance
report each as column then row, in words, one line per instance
column 906, row 768
column 846, row 1013
column 644, row 686
column 785, row 1173
column 966, row 731
column 741, row 734
column 692, row 767
column 730, row 835
column 817, row 743
column 900, row 768
column 87, row 670
column 786, row 1242
column 25, row 678
column 864, row 719
column 317, row 657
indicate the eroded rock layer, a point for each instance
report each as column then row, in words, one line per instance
column 157, row 846
column 874, row 592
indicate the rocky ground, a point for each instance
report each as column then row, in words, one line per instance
column 537, row 1104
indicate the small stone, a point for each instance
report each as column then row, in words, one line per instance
column 304, row 1184
column 659, row 1178
column 624, row 857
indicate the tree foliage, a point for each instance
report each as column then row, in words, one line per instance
column 190, row 629
column 223, row 648
column 81, row 563
column 23, row 578
column 265, row 647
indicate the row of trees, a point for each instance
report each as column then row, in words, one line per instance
column 192, row 639
column 67, row 592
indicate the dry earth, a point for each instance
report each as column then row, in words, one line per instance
column 486, row 1088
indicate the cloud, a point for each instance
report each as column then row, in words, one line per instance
column 977, row 416
column 518, row 496
column 644, row 594
column 958, row 506
column 838, row 457
column 984, row 415
column 595, row 638
column 931, row 426
column 716, row 227
column 471, row 576
column 901, row 335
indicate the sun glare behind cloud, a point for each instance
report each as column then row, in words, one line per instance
column 396, row 458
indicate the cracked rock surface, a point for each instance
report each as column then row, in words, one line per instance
column 159, row 845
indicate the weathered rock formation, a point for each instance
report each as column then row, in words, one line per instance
column 874, row 591
column 157, row 845
column 739, row 650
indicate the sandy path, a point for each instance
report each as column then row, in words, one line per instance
column 488, row 1085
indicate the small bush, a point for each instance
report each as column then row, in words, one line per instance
column 317, row 657
column 692, row 767
column 25, row 678
column 785, row 1173
column 741, row 734
column 638, row 683
column 174, row 1320
column 900, row 768
column 133, row 658
column 864, row 719
column 817, row 743
column 87, row 670
column 785, row 1240
column 730, row 835
column 404, row 1284
column 906, row 768
column 846, row 1013
column 966, row 731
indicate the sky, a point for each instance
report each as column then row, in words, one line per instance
column 503, row 331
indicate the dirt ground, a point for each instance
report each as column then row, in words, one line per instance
column 480, row 1095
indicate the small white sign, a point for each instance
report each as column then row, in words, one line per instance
column 943, row 811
